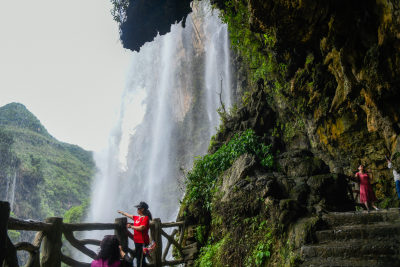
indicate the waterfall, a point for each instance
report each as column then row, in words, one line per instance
column 10, row 188
column 167, row 117
column 12, row 194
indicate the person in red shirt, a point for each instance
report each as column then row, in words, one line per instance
column 140, row 228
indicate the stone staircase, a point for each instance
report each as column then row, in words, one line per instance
column 356, row 239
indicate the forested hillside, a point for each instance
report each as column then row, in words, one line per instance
column 39, row 175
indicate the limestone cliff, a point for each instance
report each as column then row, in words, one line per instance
column 320, row 85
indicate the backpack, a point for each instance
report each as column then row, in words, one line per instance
column 149, row 248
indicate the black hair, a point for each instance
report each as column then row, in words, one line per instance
column 143, row 205
column 147, row 213
column 109, row 249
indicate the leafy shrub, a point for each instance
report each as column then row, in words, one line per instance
column 201, row 179
column 261, row 252
column 200, row 234
column 208, row 254
column 76, row 213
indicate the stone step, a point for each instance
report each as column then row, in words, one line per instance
column 351, row 249
column 361, row 217
column 356, row 262
column 377, row 232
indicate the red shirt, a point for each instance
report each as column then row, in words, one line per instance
column 141, row 237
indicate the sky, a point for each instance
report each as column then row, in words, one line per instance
column 63, row 60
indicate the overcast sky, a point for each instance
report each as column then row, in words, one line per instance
column 63, row 60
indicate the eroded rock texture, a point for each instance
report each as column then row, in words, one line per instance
column 146, row 18
column 349, row 93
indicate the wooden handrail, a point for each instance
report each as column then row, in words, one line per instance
column 18, row 224
column 172, row 224
column 47, row 243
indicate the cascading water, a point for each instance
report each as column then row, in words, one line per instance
column 12, row 193
column 167, row 117
column 10, row 188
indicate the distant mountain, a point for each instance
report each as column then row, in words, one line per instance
column 16, row 114
column 39, row 175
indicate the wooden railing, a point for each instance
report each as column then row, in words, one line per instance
column 45, row 250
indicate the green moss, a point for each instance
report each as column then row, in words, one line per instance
column 254, row 48
column 201, row 234
column 210, row 255
column 201, row 180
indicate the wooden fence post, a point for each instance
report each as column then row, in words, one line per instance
column 156, row 236
column 52, row 243
column 122, row 232
column 8, row 253
column 4, row 214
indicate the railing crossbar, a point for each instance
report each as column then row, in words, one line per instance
column 78, row 245
column 172, row 240
column 164, row 256
column 171, row 224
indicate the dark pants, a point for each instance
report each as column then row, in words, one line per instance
column 398, row 188
column 139, row 255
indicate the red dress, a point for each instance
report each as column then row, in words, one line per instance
column 366, row 192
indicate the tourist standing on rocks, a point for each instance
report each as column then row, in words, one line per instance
column 140, row 228
column 396, row 176
column 367, row 195
column 109, row 255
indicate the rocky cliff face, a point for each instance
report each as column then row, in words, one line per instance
column 320, row 84
column 145, row 19
column 335, row 82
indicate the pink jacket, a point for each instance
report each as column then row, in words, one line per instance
column 101, row 263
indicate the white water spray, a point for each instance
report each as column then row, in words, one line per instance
column 10, row 188
column 168, row 115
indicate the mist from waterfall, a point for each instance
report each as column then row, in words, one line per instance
column 167, row 117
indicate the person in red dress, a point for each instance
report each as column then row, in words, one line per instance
column 367, row 195
column 140, row 228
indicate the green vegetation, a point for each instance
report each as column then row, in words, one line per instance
column 76, row 213
column 201, row 232
column 119, row 10
column 260, row 254
column 52, row 176
column 16, row 114
column 210, row 254
column 13, row 234
column 202, row 178
column 255, row 48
